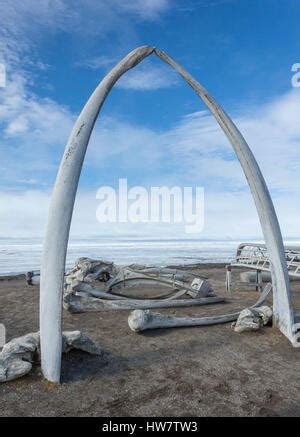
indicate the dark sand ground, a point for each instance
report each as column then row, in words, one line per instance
column 200, row 371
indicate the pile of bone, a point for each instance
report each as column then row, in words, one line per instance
column 89, row 270
column 253, row 319
column 18, row 356
column 250, row 319
column 94, row 285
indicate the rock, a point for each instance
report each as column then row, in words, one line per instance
column 252, row 319
column 13, row 367
column 19, row 354
column 89, row 286
column 78, row 340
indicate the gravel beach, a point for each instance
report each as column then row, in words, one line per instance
column 200, row 371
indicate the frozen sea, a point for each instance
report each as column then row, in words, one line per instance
column 22, row 255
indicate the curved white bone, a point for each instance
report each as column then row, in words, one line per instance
column 62, row 202
column 60, row 215
column 83, row 287
column 282, row 308
column 81, row 302
column 139, row 320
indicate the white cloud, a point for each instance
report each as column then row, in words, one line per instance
column 148, row 9
column 227, row 216
column 97, row 62
column 22, row 21
column 34, row 133
column 126, row 145
column 23, row 214
column 147, row 77
column 271, row 130
column 22, row 112
column 19, row 20
column 35, row 130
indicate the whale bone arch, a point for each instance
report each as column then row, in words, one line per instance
column 63, row 198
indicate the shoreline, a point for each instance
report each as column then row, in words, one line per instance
column 12, row 275
column 19, row 259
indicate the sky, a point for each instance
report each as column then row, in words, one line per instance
column 153, row 130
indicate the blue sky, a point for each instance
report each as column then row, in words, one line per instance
column 153, row 130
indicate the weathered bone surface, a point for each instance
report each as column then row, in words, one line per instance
column 89, row 270
column 63, row 198
column 18, row 356
column 127, row 275
column 283, row 313
column 249, row 319
column 83, row 287
column 98, row 293
column 77, row 287
column 107, row 277
column 79, row 340
column 142, row 320
column 81, row 302
column 252, row 319
column 200, row 288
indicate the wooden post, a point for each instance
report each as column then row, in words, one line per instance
column 228, row 278
column 259, row 281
